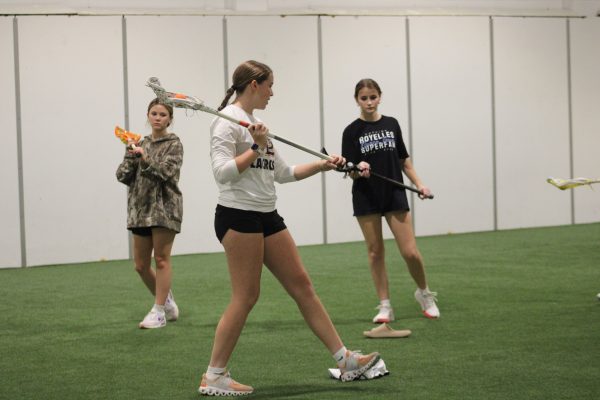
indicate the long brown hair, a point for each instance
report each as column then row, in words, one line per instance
column 243, row 75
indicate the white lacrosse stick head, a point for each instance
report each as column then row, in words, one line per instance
column 154, row 84
column 564, row 184
column 185, row 101
column 178, row 100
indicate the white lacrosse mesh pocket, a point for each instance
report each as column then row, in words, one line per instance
column 376, row 371
column 564, row 184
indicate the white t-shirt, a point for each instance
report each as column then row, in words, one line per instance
column 253, row 189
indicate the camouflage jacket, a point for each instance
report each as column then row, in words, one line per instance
column 153, row 197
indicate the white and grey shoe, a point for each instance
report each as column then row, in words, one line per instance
column 385, row 314
column 357, row 364
column 154, row 319
column 171, row 309
column 224, row 385
column 426, row 300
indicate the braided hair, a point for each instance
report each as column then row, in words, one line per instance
column 243, row 75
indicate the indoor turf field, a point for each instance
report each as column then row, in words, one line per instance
column 520, row 320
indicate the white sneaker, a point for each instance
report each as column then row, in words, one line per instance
column 385, row 314
column 427, row 301
column 154, row 319
column 224, row 385
column 357, row 364
column 171, row 309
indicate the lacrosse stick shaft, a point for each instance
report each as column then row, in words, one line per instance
column 402, row 185
column 179, row 100
column 271, row 135
column 385, row 178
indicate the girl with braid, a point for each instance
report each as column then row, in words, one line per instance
column 246, row 166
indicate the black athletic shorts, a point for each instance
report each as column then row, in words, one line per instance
column 246, row 221
column 147, row 231
column 367, row 202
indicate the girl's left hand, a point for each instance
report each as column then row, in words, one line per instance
column 424, row 192
column 137, row 151
column 336, row 161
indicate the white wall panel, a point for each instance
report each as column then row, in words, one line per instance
column 289, row 46
column 10, row 241
column 585, row 67
column 72, row 97
column 532, row 129
column 344, row 64
column 452, row 123
column 188, row 63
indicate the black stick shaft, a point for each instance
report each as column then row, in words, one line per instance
column 402, row 185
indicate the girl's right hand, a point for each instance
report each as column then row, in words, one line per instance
column 259, row 134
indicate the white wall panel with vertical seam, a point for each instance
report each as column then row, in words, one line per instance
column 71, row 98
column 532, row 122
column 452, row 123
column 10, row 242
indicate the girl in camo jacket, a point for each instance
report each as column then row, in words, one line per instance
column 154, row 208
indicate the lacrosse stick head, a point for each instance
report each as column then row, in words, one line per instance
column 124, row 136
column 160, row 92
column 178, row 100
column 564, row 184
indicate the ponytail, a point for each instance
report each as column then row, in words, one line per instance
column 228, row 95
column 243, row 75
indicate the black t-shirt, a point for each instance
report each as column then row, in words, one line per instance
column 380, row 144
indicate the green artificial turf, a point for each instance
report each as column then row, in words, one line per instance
column 520, row 320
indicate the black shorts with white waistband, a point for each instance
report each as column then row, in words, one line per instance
column 245, row 221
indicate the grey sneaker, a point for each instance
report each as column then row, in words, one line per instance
column 427, row 301
column 224, row 385
column 356, row 365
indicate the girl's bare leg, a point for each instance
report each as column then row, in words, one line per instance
column 244, row 253
column 283, row 260
column 372, row 232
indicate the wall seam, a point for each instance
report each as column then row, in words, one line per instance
column 23, row 236
column 225, row 55
column 570, row 117
column 493, row 115
column 126, row 106
column 409, row 110
column 322, row 126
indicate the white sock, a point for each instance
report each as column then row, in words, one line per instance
column 159, row 308
column 386, row 303
column 340, row 356
column 213, row 373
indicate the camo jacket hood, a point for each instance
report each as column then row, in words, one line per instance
column 153, row 195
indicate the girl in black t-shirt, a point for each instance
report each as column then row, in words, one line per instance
column 374, row 141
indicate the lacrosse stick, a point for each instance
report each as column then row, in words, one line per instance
column 349, row 167
column 124, row 136
column 564, row 184
column 193, row 103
